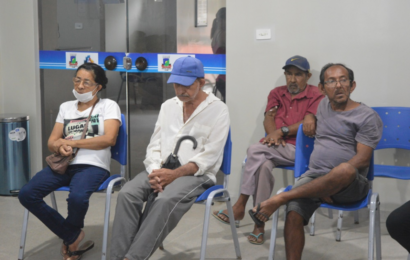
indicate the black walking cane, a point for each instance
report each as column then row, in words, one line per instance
column 172, row 163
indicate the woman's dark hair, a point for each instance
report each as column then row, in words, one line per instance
column 219, row 17
column 99, row 73
column 322, row 72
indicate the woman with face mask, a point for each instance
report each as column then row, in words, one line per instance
column 90, row 166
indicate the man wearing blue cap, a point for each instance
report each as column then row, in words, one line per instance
column 287, row 107
column 192, row 112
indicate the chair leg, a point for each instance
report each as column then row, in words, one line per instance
column 339, row 226
column 238, row 222
column 372, row 222
column 274, row 231
column 233, row 228
column 356, row 216
column 206, row 226
column 106, row 223
column 330, row 212
column 108, row 193
column 23, row 235
column 273, row 234
column 312, row 224
column 53, row 201
column 285, row 177
column 378, row 232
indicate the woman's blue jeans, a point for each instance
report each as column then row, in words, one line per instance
column 83, row 180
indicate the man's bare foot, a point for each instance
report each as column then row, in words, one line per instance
column 238, row 214
column 73, row 247
column 257, row 235
column 267, row 208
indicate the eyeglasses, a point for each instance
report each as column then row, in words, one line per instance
column 332, row 83
column 86, row 83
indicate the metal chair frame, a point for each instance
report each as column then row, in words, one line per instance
column 118, row 153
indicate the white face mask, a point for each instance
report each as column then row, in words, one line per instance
column 84, row 98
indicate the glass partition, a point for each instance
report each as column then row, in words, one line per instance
column 127, row 26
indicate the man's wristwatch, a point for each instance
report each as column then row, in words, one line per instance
column 285, row 130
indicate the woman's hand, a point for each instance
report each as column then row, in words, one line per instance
column 57, row 145
column 65, row 150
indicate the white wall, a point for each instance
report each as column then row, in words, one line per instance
column 19, row 68
column 370, row 36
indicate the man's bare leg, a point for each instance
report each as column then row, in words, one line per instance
column 325, row 186
column 238, row 209
column 294, row 236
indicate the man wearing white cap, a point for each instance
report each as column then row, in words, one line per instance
column 192, row 112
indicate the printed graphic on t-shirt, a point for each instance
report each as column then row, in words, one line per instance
column 73, row 128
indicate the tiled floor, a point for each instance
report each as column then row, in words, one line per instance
column 184, row 242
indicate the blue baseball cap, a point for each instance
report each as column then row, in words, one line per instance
column 299, row 62
column 186, row 70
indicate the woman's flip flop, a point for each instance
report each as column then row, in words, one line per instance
column 83, row 248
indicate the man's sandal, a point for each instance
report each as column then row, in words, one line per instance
column 253, row 215
column 83, row 248
column 223, row 221
column 257, row 237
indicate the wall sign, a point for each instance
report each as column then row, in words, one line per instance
column 201, row 13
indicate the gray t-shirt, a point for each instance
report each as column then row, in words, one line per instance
column 338, row 133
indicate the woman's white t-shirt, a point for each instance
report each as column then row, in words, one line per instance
column 74, row 122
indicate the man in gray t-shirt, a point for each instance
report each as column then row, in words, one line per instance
column 346, row 134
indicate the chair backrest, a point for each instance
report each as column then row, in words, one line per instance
column 119, row 150
column 396, row 127
column 304, row 148
column 226, row 162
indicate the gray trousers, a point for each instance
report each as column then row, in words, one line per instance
column 166, row 211
column 257, row 179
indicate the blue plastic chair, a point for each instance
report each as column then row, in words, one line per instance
column 396, row 134
column 219, row 193
column 118, row 153
column 304, row 148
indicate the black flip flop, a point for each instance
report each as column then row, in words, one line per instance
column 83, row 248
column 254, row 218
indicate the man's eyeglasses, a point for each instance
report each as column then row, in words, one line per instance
column 332, row 83
column 86, row 83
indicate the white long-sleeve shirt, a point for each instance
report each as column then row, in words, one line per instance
column 209, row 124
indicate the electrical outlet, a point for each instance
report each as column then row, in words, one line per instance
column 78, row 26
column 263, row 34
